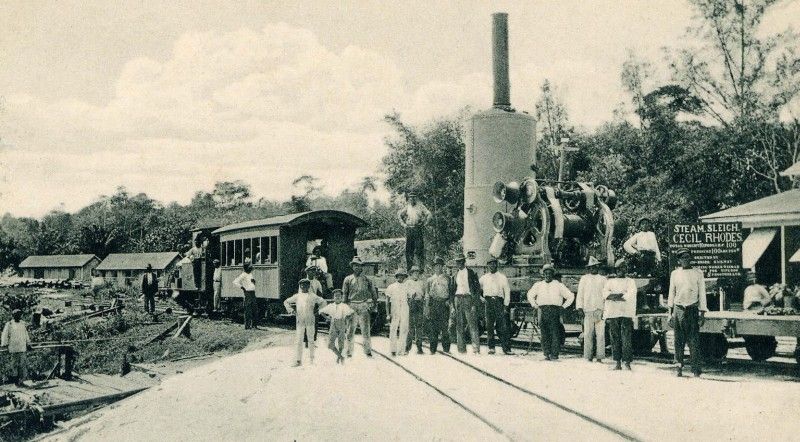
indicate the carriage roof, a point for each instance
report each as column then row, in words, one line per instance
column 336, row 217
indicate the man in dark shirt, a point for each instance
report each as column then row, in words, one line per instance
column 362, row 296
column 149, row 289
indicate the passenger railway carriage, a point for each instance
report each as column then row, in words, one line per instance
column 277, row 248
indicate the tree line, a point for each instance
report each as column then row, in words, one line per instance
column 716, row 134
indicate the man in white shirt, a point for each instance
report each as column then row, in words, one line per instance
column 339, row 313
column 550, row 297
column 217, row 279
column 589, row 300
column 497, row 294
column 687, row 308
column 413, row 218
column 643, row 248
column 397, row 298
column 619, row 293
column 466, row 301
column 756, row 296
column 416, row 308
column 195, row 255
column 16, row 340
column 305, row 304
column 317, row 260
column 247, row 283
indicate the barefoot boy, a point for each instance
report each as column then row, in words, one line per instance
column 340, row 313
column 304, row 303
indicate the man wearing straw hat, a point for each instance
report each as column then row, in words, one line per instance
column 589, row 300
column 397, row 297
column 466, row 301
column 550, row 296
column 360, row 294
column 687, row 309
column 416, row 305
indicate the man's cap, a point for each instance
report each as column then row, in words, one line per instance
column 15, row 311
column 593, row 262
column 491, row 260
column 461, row 258
column 216, row 261
column 400, row 272
column 305, row 281
column 411, row 193
column 438, row 260
column 548, row 267
column 620, row 263
column 356, row 261
column 683, row 251
column 414, row 269
column 335, row 292
column 311, row 269
column 643, row 219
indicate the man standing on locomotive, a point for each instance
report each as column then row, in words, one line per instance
column 551, row 297
column 619, row 293
column 438, row 305
column 362, row 296
column 643, row 248
column 497, row 294
column 466, row 301
column 589, row 300
column 416, row 300
column 413, row 218
column 247, row 283
column 687, row 309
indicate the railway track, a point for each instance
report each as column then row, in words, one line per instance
column 512, row 411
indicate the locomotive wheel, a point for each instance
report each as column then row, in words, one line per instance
column 713, row 346
column 760, row 348
column 642, row 342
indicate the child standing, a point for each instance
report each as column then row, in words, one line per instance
column 304, row 304
column 340, row 314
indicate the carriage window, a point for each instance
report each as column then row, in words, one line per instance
column 223, row 253
column 247, row 254
column 273, row 249
column 237, row 252
column 256, row 246
column 263, row 250
column 229, row 249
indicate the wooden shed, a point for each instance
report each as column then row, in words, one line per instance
column 772, row 245
column 127, row 268
column 75, row 267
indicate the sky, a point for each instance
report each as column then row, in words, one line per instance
column 167, row 98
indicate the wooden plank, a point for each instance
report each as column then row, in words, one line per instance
column 163, row 334
column 68, row 407
column 184, row 329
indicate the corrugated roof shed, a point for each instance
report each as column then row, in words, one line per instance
column 55, row 261
column 783, row 207
column 138, row 261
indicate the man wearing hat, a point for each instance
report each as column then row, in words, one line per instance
column 416, row 308
column 413, row 218
column 339, row 314
column 550, row 296
column 687, row 308
column 643, row 248
column 466, row 300
column 149, row 289
column 438, row 305
column 305, row 304
column 619, row 293
column 497, row 294
column 397, row 297
column 362, row 296
column 217, row 281
column 16, row 340
column 589, row 300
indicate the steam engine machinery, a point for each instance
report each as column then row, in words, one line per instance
column 540, row 221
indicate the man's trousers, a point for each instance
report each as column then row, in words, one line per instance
column 594, row 332
column 465, row 311
column 621, row 330
column 361, row 319
column 550, row 326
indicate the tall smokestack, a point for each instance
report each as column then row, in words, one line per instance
column 502, row 94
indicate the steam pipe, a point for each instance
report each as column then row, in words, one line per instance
column 502, row 94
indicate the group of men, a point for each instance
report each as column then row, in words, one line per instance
column 611, row 300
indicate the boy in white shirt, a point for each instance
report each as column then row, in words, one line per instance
column 304, row 303
column 15, row 338
column 339, row 313
column 397, row 297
